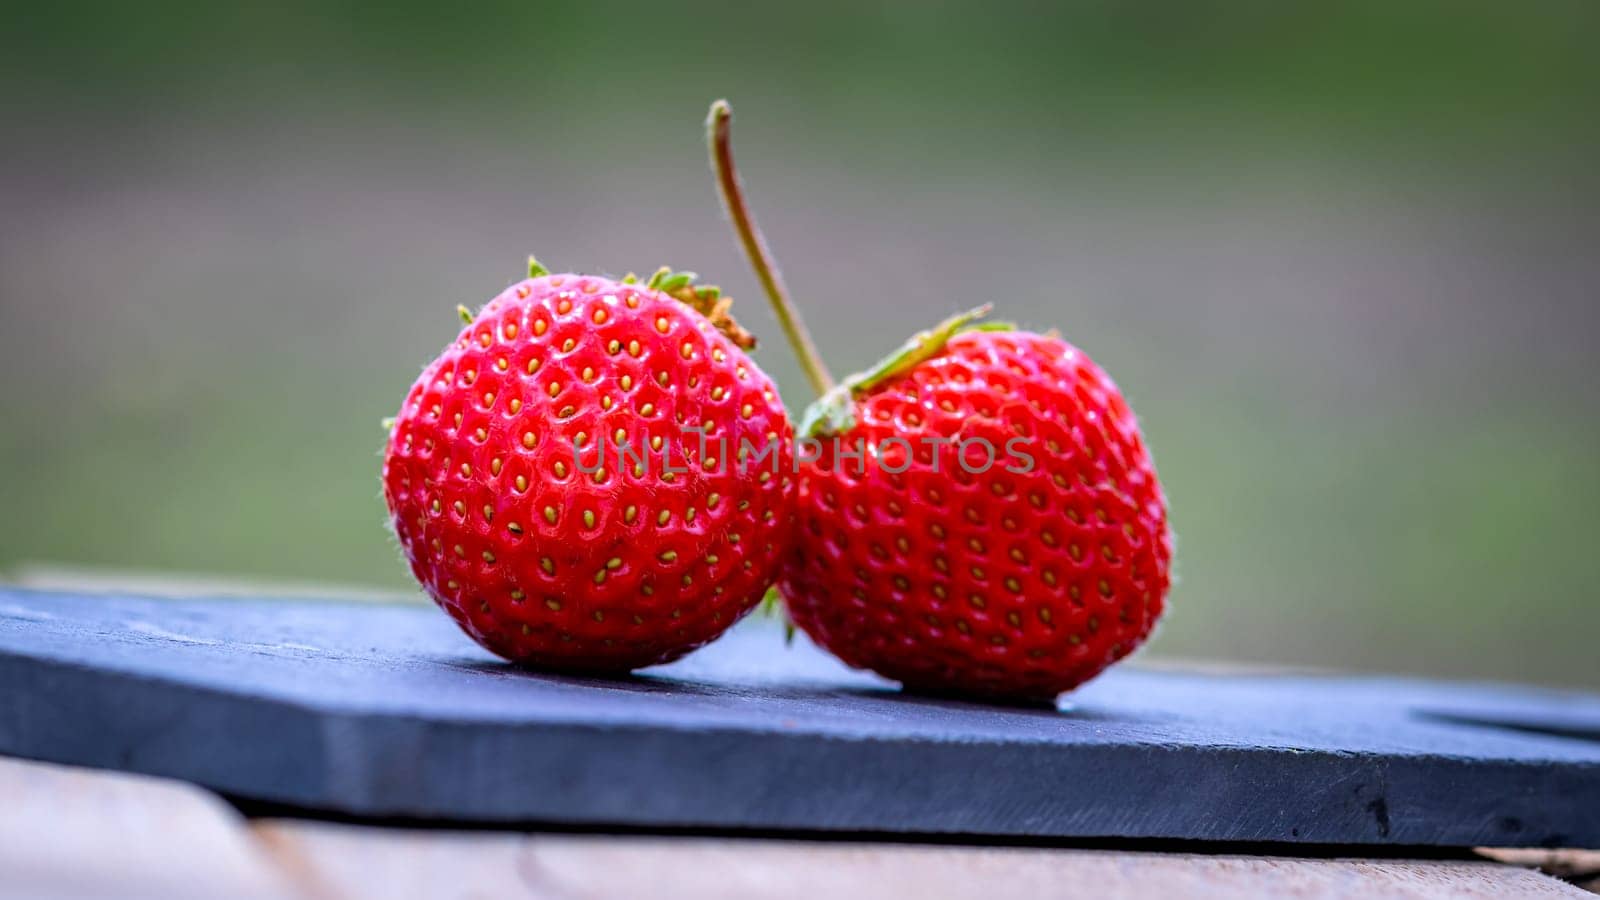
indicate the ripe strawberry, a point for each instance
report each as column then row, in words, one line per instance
column 1004, row 535
column 618, row 555
column 977, row 514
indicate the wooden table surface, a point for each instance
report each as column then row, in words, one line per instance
column 79, row 833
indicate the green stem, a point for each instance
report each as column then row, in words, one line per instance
column 755, row 249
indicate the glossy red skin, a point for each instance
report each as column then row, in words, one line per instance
column 999, row 585
column 534, row 598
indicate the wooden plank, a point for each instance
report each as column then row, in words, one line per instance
column 390, row 711
column 1581, row 867
column 346, row 861
column 67, row 834
column 78, row 833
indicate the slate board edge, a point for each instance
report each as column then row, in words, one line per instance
column 381, row 766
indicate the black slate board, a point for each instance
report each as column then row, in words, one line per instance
column 388, row 711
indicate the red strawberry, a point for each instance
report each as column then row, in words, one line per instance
column 981, row 516
column 620, row 555
column 1004, row 534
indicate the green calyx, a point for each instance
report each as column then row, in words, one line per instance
column 835, row 411
column 668, row 281
column 706, row 299
column 772, row 607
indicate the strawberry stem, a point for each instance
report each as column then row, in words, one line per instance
column 755, row 249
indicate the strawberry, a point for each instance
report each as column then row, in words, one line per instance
column 579, row 481
column 1003, row 534
column 977, row 514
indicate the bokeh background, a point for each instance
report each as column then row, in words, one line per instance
column 1342, row 257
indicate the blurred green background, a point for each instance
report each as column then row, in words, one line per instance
column 1343, row 258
